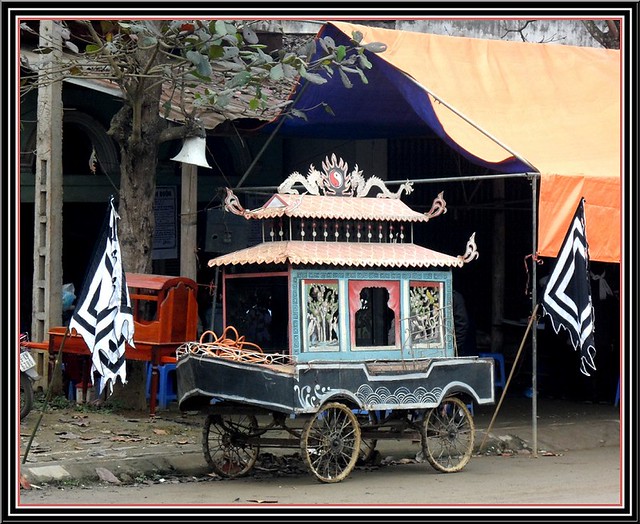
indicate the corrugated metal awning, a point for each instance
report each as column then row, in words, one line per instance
column 361, row 254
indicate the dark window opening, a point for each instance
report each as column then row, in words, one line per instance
column 375, row 320
column 258, row 309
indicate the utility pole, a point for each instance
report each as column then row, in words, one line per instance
column 498, row 268
column 189, row 222
column 47, row 255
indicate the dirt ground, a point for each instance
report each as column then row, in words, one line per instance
column 586, row 469
column 66, row 429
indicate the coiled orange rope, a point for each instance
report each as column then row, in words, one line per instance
column 237, row 342
column 230, row 345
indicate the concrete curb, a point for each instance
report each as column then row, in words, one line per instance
column 187, row 462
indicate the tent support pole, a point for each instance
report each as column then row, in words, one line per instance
column 453, row 178
column 534, row 305
column 283, row 116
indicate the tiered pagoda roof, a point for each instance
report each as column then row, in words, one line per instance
column 365, row 231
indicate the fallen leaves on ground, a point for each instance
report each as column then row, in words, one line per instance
column 24, row 482
column 126, row 438
column 67, row 436
column 106, row 475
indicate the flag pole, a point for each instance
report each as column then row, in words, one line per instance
column 47, row 398
column 506, row 386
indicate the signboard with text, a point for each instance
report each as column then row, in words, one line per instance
column 165, row 237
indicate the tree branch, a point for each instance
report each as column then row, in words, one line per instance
column 117, row 70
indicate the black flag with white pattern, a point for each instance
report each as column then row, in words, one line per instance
column 567, row 296
column 103, row 316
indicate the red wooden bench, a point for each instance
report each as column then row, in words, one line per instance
column 165, row 314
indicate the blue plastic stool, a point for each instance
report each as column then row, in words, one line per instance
column 71, row 391
column 499, row 378
column 166, row 384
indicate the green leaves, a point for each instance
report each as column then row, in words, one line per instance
column 298, row 114
column 347, row 60
column 328, row 109
column 375, row 47
column 249, row 35
column 201, row 63
column 356, row 36
column 167, row 108
column 220, row 27
column 93, row 48
column 345, row 79
column 364, row 61
column 240, row 79
column 276, row 72
column 314, row 78
column 148, row 41
column 215, row 62
column 216, row 52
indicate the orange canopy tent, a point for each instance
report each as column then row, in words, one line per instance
column 557, row 107
column 513, row 106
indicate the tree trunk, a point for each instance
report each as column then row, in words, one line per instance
column 137, row 130
column 137, row 194
column 133, row 394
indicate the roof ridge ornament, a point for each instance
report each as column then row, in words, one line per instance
column 438, row 207
column 336, row 180
column 233, row 205
column 471, row 252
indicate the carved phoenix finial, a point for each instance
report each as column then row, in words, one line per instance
column 472, row 251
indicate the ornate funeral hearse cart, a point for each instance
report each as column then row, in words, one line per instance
column 339, row 332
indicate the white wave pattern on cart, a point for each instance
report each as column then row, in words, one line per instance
column 401, row 395
column 308, row 398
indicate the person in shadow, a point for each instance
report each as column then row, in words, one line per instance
column 464, row 328
column 258, row 322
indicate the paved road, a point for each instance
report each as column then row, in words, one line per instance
column 574, row 478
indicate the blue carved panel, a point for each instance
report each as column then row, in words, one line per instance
column 425, row 314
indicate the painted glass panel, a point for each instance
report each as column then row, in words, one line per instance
column 321, row 315
column 426, row 314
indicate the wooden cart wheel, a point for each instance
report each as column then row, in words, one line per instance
column 447, row 435
column 227, row 446
column 330, row 442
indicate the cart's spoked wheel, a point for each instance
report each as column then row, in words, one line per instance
column 227, row 444
column 331, row 442
column 447, row 435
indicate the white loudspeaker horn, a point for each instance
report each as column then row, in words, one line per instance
column 193, row 152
